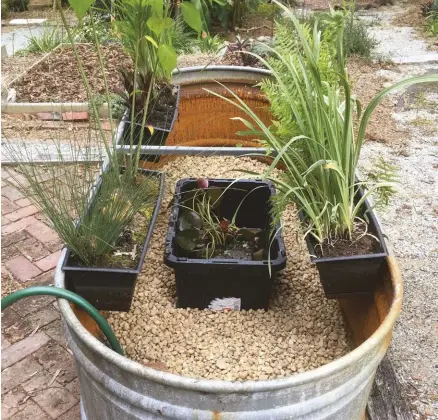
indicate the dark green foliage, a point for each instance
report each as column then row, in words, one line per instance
column 181, row 38
column 5, row 10
column 201, row 231
column 18, row 5
column 357, row 39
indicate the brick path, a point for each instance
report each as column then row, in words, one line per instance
column 38, row 373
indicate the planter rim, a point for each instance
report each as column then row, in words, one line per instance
column 170, row 259
column 215, row 386
column 248, row 69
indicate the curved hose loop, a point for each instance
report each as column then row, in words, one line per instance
column 71, row 297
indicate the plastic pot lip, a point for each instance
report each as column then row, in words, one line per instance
column 137, row 270
column 171, row 260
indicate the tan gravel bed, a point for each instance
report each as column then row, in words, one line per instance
column 301, row 331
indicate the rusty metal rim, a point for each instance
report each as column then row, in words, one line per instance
column 379, row 338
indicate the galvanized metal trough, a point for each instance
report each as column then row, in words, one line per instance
column 114, row 387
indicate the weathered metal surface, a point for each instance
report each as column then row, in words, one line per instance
column 115, row 388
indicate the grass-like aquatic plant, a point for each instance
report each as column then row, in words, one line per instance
column 320, row 154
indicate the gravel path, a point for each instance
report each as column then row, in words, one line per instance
column 301, row 331
column 411, row 223
column 399, row 44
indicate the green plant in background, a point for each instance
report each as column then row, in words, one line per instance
column 210, row 44
column 5, row 10
column 181, row 38
column 52, row 36
column 430, row 12
column 46, row 41
column 17, row 5
column 117, row 105
column 321, row 153
column 100, row 29
column 432, row 24
column 357, row 40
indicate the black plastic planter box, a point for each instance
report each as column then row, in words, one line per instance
column 200, row 281
column 158, row 138
column 350, row 276
column 111, row 289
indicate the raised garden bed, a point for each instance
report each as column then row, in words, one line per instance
column 56, row 78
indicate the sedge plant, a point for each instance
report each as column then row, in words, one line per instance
column 317, row 146
column 89, row 192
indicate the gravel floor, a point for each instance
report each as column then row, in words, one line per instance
column 301, row 331
column 411, row 223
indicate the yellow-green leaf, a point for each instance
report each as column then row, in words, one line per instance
column 191, row 16
column 80, row 7
column 167, row 57
column 152, row 41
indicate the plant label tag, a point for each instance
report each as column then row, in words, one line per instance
column 225, row 304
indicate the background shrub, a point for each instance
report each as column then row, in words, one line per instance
column 17, row 5
column 5, row 10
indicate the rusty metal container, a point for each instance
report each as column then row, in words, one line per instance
column 114, row 387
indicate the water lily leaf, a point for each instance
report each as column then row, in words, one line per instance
column 189, row 220
column 258, row 255
column 215, row 194
column 188, row 239
column 249, row 234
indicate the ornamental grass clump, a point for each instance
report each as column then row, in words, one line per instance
column 313, row 132
column 89, row 192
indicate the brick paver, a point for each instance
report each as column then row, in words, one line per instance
column 48, row 262
column 23, row 348
column 38, row 374
column 22, row 269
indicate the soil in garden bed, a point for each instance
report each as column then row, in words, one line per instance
column 161, row 110
column 358, row 245
column 57, row 77
column 302, row 330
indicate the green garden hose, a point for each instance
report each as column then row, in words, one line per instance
column 71, row 297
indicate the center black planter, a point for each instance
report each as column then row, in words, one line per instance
column 111, row 289
column 157, row 138
column 199, row 281
column 350, row 276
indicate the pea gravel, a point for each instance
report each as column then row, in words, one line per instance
column 301, row 331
